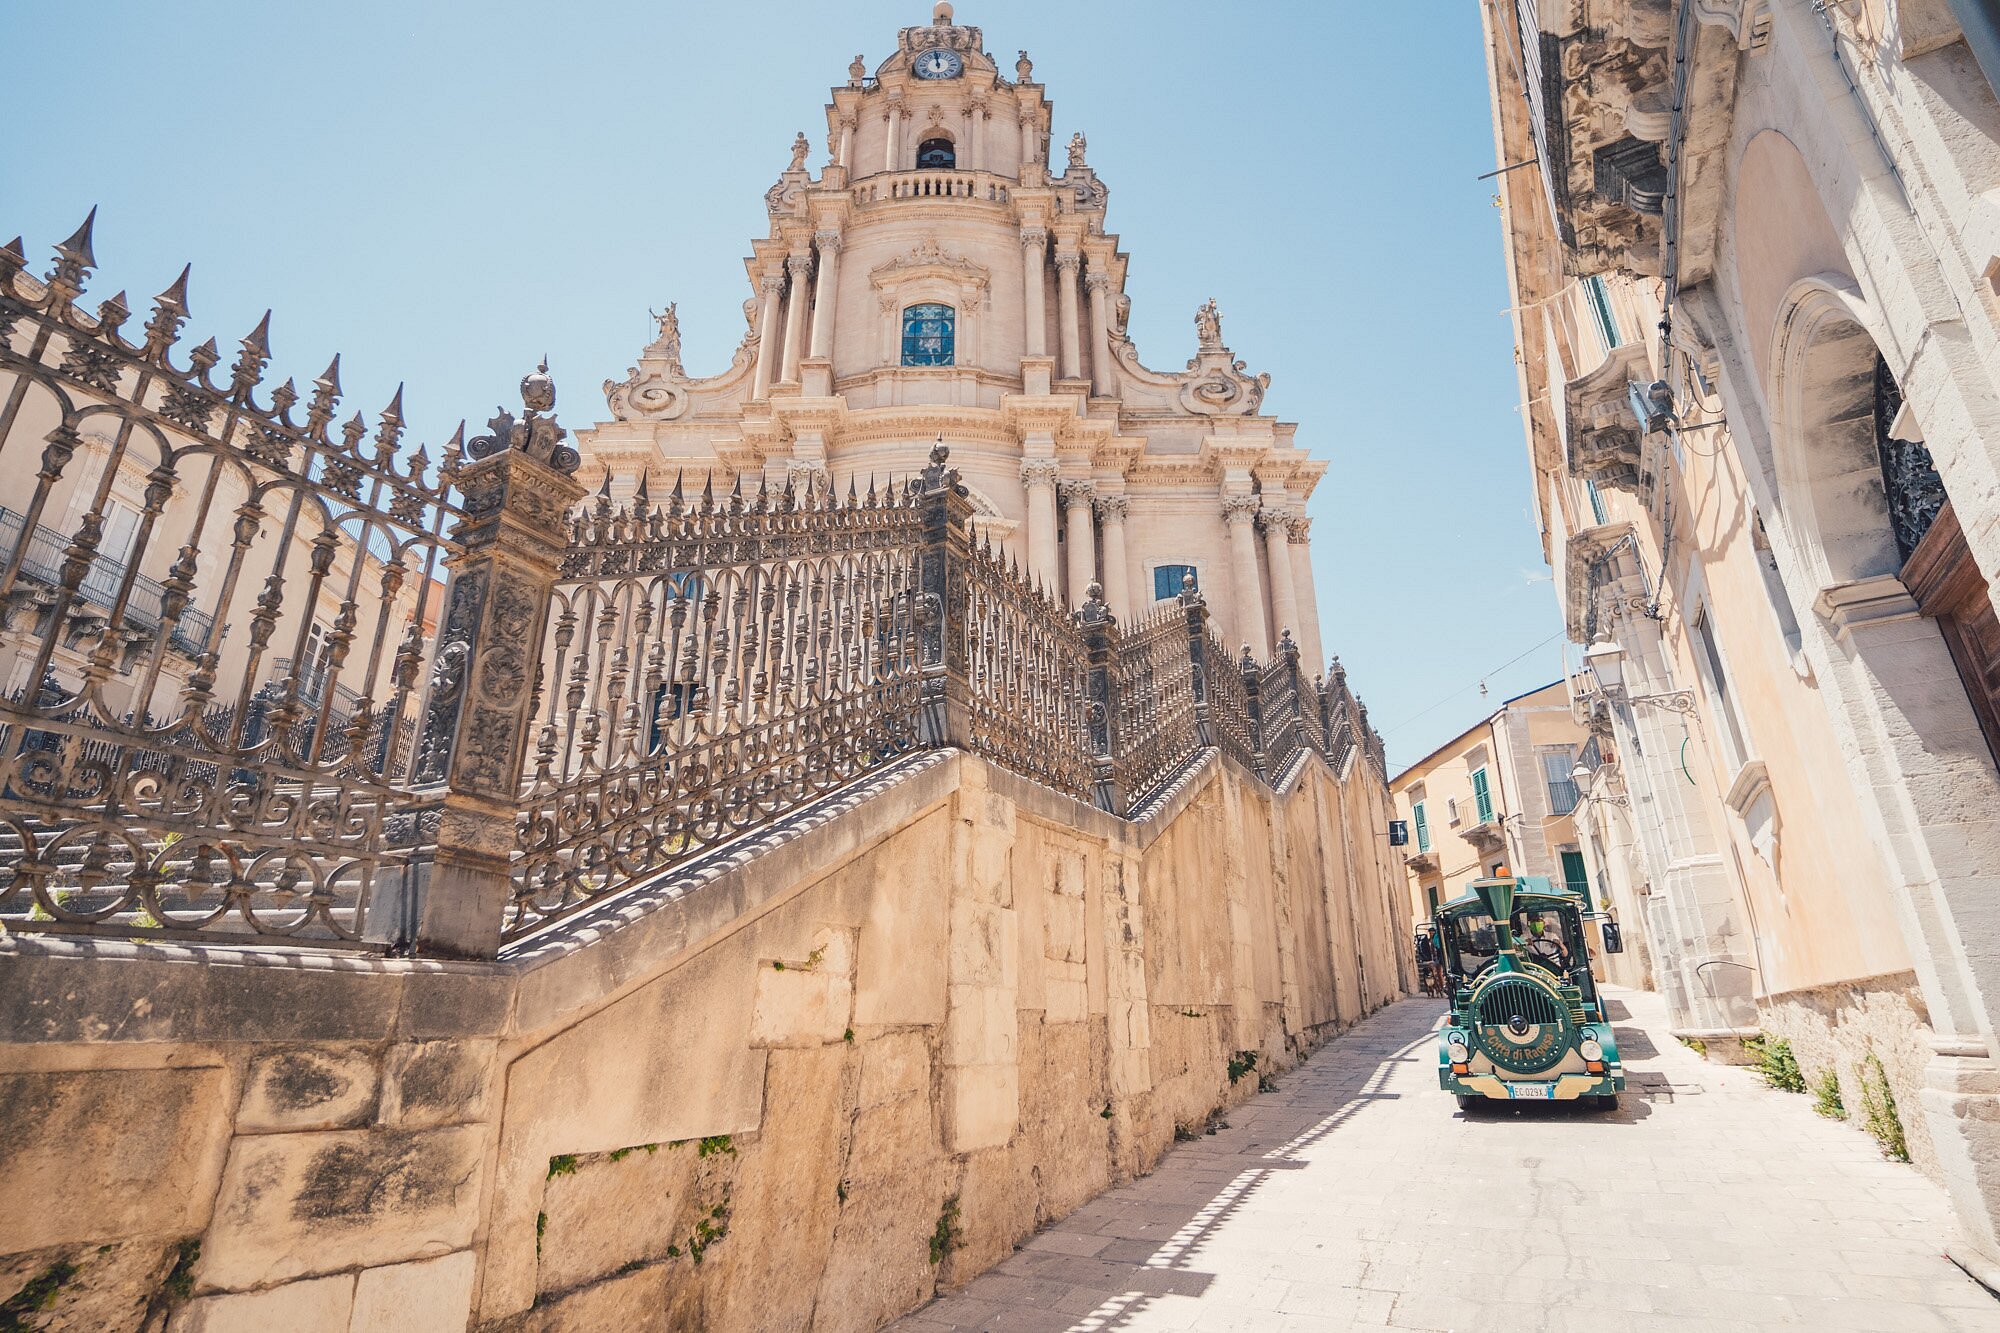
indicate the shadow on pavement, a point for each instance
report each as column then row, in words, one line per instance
column 1131, row 1273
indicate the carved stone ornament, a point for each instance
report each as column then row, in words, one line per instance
column 1603, row 441
column 656, row 388
column 929, row 260
column 856, row 72
column 536, row 435
column 1040, row 472
column 1216, row 384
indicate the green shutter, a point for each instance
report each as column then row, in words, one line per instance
column 1574, row 873
column 1423, row 827
column 1482, row 799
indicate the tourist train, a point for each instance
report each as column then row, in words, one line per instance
column 1527, row 1022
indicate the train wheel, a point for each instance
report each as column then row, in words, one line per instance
column 1468, row 1102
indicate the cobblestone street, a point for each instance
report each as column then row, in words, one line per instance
column 1357, row 1196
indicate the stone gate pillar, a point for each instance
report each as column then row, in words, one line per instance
column 481, row 699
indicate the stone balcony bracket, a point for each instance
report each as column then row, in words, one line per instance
column 1603, row 441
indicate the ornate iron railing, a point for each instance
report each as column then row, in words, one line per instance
column 133, row 792
column 273, row 716
column 712, row 667
column 1158, row 719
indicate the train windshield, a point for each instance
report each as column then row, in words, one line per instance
column 1545, row 935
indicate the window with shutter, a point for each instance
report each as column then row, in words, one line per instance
column 1482, row 796
column 1574, row 875
column 1423, row 826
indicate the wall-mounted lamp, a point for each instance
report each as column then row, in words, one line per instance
column 1605, row 661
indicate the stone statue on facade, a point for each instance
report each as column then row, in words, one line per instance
column 1077, row 144
column 800, row 147
column 856, row 72
column 1208, row 326
column 667, row 346
column 1024, row 69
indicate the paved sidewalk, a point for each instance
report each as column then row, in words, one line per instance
column 1357, row 1196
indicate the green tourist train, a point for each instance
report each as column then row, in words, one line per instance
column 1527, row 1022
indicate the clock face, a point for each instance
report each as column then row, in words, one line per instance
column 938, row 64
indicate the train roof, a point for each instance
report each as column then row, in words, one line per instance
column 1525, row 886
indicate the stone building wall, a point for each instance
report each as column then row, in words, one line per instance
column 797, row 1088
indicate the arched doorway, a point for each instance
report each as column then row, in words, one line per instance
column 1937, row 567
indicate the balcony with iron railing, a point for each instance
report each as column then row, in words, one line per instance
column 42, row 564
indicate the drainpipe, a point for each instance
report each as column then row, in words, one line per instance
column 1980, row 21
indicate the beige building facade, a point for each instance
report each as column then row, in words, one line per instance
column 943, row 277
column 1753, row 249
column 1506, row 794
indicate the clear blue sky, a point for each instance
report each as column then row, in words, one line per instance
column 442, row 193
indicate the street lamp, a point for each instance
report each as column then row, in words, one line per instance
column 1605, row 661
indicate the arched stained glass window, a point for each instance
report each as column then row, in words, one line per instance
column 927, row 335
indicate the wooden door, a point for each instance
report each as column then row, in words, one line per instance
column 1948, row 587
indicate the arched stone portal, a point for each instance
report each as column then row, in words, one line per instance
column 1910, row 729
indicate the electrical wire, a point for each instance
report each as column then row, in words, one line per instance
column 1463, row 688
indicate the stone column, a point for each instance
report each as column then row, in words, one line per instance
column 1099, row 286
column 1246, row 618
column 892, row 153
column 1034, row 243
column 1039, row 475
column 1307, row 630
column 824, row 293
column 847, row 142
column 1116, row 575
column 478, row 708
column 1276, row 521
column 795, row 316
column 1068, row 262
column 1027, row 139
column 975, row 137
column 1080, row 538
column 1705, row 959
column 772, row 286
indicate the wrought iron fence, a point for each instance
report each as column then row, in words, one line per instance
column 712, row 667
column 133, row 794
column 599, row 693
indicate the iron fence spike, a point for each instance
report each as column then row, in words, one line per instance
column 259, row 340
column 76, row 248
column 176, row 294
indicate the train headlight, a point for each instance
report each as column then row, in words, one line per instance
column 1590, row 1048
column 1455, row 1047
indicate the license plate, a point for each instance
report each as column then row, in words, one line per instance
column 1528, row 1092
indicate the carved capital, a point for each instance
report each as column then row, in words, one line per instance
column 1239, row 509
column 771, row 283
column 1114, row 508
column 1040, row 472
column 1034, row 238
column 1095, row 281
column 1300, row 529
column 827, row 242
column 798, row 265
column 1276, row 518
column 1068, row 261
column 1078, row 494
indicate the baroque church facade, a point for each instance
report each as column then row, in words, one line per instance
column 940, row 280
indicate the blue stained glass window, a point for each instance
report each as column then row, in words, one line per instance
column 1167, row 580
column 927, row 335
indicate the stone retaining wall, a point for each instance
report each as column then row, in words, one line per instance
column 798, row 1087
column 1842, row 1027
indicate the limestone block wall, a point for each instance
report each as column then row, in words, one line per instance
column 798, row 1088
column 1873, row 1030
